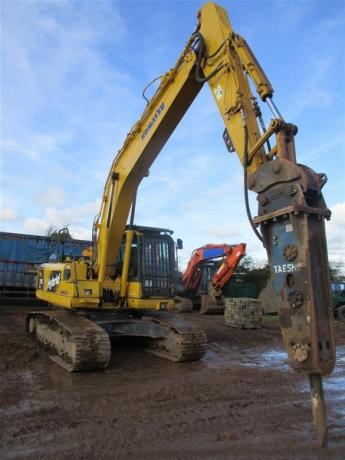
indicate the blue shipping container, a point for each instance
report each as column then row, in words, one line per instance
column 20, row 256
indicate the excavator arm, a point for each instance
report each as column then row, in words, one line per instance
column 233, row 255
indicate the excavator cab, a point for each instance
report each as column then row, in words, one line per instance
column 209, row 269
column 151, row 271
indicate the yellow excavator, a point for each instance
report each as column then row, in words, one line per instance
column 120, row 290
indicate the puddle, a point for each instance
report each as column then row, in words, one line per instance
column 26, row 407
column 273, row 359
column 34, row 452
column 27, row 377
column 222, row 356
column 334, row 389
column 335, row 383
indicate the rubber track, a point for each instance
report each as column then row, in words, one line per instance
column 90, row 344
column 184, row 341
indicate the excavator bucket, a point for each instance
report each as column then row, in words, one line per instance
column 211, row 304
column 183, row 304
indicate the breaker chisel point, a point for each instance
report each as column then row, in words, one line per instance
column 318, row 408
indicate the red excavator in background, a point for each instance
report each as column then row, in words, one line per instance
column 204, row 278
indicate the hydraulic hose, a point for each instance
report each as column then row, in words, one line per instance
column 246, row 198
column 201, row 52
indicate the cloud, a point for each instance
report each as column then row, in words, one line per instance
column 316, row 66
column 293, row 12
column 78, row 218
column 335, row 229
column 54, row 65
column 31, row 144
column 319, row 150
column 8, row 215
column 61, row 86
column 35, row 226
column 314, row 92
column 226, row 233
column 51, row 195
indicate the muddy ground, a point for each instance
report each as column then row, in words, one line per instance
column 241, row 401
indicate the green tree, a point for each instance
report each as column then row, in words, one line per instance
column 250, row 272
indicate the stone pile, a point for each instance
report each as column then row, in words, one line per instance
column 243, row 313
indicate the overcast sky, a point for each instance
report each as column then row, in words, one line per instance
column 72, row 78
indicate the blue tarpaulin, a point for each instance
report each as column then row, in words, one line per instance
column 36, row 249
column 21, row 254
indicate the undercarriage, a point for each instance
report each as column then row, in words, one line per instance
column 80, row 341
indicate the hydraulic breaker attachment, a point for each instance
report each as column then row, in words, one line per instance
column 291, row 218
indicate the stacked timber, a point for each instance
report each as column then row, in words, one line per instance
column 243, row 313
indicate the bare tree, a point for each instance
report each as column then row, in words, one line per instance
column 62, row 234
